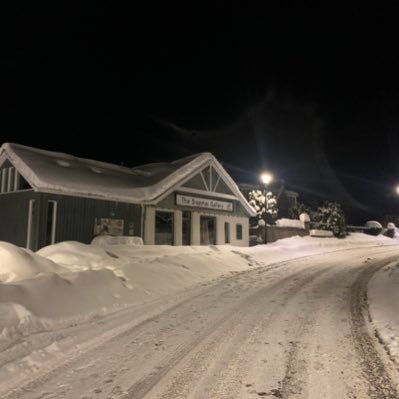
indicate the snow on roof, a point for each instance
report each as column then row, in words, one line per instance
column 69, row 175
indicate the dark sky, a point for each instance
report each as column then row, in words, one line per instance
column 310, row 94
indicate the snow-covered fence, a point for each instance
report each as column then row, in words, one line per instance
column 276, row 232
column 284, row 228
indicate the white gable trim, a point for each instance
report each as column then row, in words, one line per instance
column 204, row 180
column 208, row 193
column 222, row 173
column 3, row 158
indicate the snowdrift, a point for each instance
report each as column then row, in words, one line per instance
column 71, row 282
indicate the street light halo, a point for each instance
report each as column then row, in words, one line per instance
column 397, row 189
column 266, row 178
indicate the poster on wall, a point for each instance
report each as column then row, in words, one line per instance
column 112, row 227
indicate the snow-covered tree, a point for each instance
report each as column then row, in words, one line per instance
column 265, row 206
column 299, row 208
column 331, row 217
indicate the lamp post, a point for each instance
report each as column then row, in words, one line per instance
column 266, row 179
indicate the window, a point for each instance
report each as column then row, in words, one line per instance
column 239, row 231
column 208, row 230
column 186, row 228
column 164, row 228
column 12, row 181
column 227, row 233
column 16, row 180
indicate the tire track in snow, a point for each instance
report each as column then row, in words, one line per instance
column 198, row 356
column 374, row 368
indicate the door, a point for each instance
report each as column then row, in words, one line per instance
column 163, row 228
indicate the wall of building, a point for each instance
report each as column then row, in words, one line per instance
column 14, row 211
column 168, row 204
column 76, row 217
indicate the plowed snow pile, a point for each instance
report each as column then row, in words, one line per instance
column 71, row 282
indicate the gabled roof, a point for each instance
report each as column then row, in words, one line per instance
column 61, row 173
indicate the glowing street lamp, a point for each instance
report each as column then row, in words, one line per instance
column 266, row 178
column 397, row 189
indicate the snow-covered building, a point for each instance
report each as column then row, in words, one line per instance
column 48, row 197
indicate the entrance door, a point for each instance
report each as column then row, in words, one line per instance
column 208, row 230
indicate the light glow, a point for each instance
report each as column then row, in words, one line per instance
column 266, row 178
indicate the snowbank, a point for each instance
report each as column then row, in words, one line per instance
column 292, row 247
column 69, row 282
column 383, row 299
column 21, row 264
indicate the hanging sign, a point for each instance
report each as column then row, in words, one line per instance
column 186, row 200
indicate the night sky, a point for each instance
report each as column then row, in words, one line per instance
column 309, row 94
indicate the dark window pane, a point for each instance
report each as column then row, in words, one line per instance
column 239, row 232
column 164, row 228
column 196, row 182
column 208, row 230
column 186, row 228
column 227, row 233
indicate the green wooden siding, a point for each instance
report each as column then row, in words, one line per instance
column 14, row 209
column 76, row 217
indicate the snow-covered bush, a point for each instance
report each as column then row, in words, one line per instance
column 331, row 217
column 265, row 206
column 304, row 217
column 373, row 228
column 390, row 231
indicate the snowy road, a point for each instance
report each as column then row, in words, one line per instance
column 297, row 329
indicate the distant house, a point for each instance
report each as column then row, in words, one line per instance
column 48, row 197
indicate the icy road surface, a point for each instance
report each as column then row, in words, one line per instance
column 296, row 329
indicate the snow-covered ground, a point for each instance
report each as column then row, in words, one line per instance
column 383, row 299
column 70, row 283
